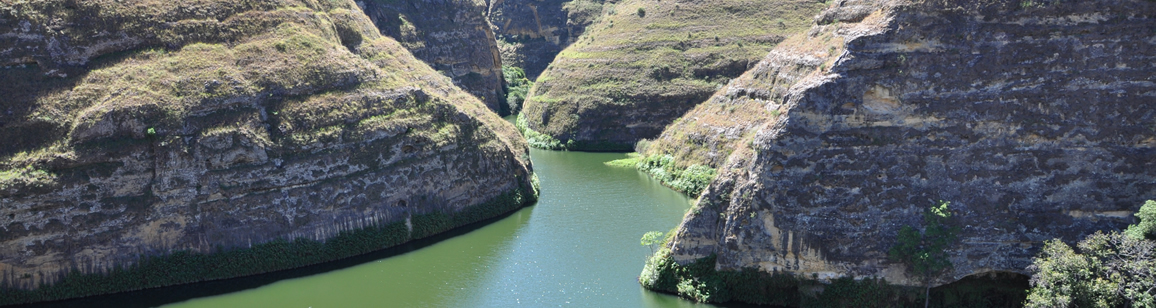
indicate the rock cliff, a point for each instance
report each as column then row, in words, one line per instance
column 142, row 128
column 532, row 32
column 646, row 63
column 1033, row 118
column 452, row 36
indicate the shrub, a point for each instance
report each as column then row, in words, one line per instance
column 690, row 180
column 1109, row 269
column 1147, row 227
column 641, row 12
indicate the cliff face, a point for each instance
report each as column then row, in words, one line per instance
column 452, row 36
column 1033, row 119
column 646, row 63
column 206, row 125
column 534, row 31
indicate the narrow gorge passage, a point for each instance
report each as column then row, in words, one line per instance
column 578, row 246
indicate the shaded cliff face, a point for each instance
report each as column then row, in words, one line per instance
column 1033, row 120
column 452, row 36
column 199, row 125
column 645, row 63
column 532, row 32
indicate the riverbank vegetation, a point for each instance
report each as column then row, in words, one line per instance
column 690, row 180
column 181, row 267
column 517, row 85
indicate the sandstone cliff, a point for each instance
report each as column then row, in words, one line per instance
column 1034, row 118
column 141, row 128
column 532, row 32
column 452, row 36
column 645, row 63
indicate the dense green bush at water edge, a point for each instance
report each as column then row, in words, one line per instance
column 187, row 267
column 691, row 180
column 701, row 282
column 547, row 142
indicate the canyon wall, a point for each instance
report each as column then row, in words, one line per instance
column 1033, row 118
column 452, row 36
column 141, row 128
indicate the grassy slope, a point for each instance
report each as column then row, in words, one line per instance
column 313, row 66
column 636, row 70
column 710, row 132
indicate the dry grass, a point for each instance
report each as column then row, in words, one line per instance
column 317, row 71
column 709, row 133
column 672, row 57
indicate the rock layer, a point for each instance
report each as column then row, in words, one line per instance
column 1033, row 119
column 646, row 63
column 452, row 36
column 534, row 31
column 207, row 125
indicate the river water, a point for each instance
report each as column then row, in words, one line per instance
column 577, row 247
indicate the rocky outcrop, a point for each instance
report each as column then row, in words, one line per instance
column 209, row 126
column 534, row 31
column 1033, row 118
column 452, row 36
column 646, row 63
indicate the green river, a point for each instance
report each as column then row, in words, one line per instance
column 577, row 247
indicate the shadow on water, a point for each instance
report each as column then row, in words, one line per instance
column 172, row 294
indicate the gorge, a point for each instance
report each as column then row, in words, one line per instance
column 144, row 142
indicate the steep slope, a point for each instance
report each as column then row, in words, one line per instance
column 193, row 140
column 1032, row 118
column 647, row 62
column 532, row 32
column 452, row 36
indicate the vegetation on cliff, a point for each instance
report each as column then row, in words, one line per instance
column 1113, row 269
column 631, row 74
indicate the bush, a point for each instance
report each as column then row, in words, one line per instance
column 517, row 85
column 690, row 180
column 641, row 12
column 1147, row 227
column 1108, row 270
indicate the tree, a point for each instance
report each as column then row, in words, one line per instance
column 1108, row 270
column 1146, row 229
column 925, row 253
column 652, row 238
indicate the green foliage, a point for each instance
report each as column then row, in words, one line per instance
column 1109, row 270
column 925, row 253
column 651, row 238
column 641, row 12
column 631, row 161
column 690, row 180
column 185, row 267
column 1147, row 227
column 517, row 86
column 539, row 140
